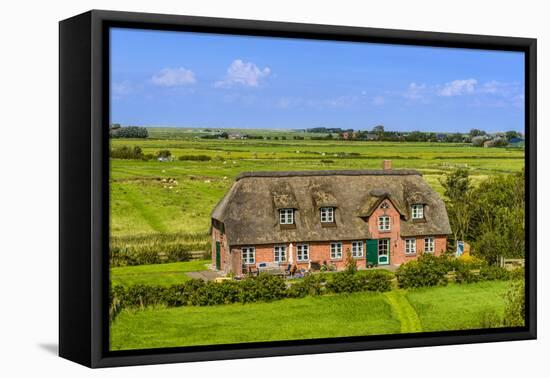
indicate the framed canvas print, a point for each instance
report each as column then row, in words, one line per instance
column 234, row 188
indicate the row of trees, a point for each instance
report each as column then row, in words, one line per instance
column 117, row 131
column 491, row 216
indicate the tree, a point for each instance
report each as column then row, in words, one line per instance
column 478, row 141
column 379, row 131
column 457, row 190
column 477, row 132
column 164, row 154
column 512, row 134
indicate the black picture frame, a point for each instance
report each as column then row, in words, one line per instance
column 83, row 180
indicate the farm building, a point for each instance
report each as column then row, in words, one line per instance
column 310, row 218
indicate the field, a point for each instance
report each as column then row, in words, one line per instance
column 156, row 274
column 153, row 200
column 433, row 309
column 159, row 204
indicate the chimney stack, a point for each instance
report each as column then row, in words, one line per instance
column 387, row 165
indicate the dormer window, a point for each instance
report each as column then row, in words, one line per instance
column 286, row 216
column 417, row 211
column 384, row 223
column 327, row 214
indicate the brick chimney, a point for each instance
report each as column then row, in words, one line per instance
column 387, row 165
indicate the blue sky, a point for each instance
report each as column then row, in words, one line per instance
column 161, row 78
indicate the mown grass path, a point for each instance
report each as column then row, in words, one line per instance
column 404, row 312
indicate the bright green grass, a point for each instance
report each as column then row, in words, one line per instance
column 288, row 319
column 457, row 306
column 156, row 274
column 452, row 307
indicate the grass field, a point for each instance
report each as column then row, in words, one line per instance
column 174, row 199
column 435, row 309
column 156, row 274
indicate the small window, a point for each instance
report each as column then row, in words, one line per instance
column 429, row 245
column 336, row 251
column 357, row 249
column 302, row 252
column 410, row 246
column 385, row 205
column 384, row 223
column 249, row 255
column 327, row 214
column 280, row 253
column 417, row 211
column 383, row 247
column 286, row 216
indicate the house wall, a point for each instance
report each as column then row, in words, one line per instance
column 225, row 253
column 319, row 252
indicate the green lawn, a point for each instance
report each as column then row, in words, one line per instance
column 457, row 306
column 451, row 307
column 156, row 274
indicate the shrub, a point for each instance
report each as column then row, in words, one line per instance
column 514, row 309
column 264, row 287
column 345, row 282
column 164, row 154
column 126, row 152
column 378, row 280
column 148, row 254
column 350, row 263
column 195, row 157
column 492, row 272
column 428, row 270
column 310, row 285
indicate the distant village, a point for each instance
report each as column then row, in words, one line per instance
column 477, row 137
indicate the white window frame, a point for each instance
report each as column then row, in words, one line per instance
column 327, row 214
column 417, row 211
column 286, row 216
column 357, row 249
column 279, row 253
column 336, row 251
column 384, row 223
column 302, row 252
column 429, row 244
column 248, row 255
column 410, row 246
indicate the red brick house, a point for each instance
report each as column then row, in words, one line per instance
column 381, row 216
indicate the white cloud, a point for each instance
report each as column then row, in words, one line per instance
column 416, row 91
column 245, row 74
column 458, row 88
column 174, row 77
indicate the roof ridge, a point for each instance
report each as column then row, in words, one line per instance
column 331, row 172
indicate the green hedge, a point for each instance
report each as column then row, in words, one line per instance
column 148, row 254
column 253, row 289
column 429, row 270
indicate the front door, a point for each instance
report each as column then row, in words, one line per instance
column 372, row 252
column 383, row 251
column 218, row 256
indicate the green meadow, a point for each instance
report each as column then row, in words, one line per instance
column 450, row 307
column 151, row 199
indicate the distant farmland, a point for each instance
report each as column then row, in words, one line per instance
column 174, row 199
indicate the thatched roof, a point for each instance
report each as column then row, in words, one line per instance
column 250, row 209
